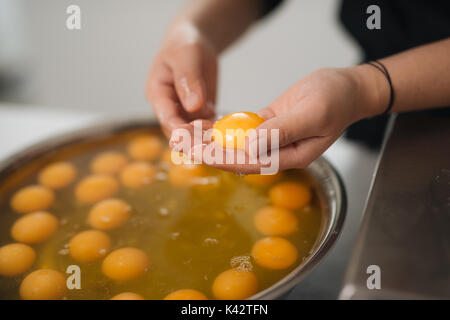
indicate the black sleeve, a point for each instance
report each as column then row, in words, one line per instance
column 268, row 6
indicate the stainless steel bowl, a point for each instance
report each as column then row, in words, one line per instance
column 331, row 192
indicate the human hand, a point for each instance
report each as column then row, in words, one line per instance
column 182, row 82
column 314, row 112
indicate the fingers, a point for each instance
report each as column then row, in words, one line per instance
column 190, row 83
column 297, row 155
column 300, row 154
column 285, row 128
column 163, row 99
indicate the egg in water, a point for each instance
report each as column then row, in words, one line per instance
column 96, row 187
column 232, row 130
column 15, row 259
column 32, row 198
column 274, row 253
column 125, row 264
column 57, row 175
column 34, row 227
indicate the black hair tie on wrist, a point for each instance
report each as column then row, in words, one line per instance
column 377, row 64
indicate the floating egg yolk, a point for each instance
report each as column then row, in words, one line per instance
column 274, row 253
column 262, row 180
column 128, row 296
column 57, row 175
column 275, row 221
column 108, row 162
column 137, row 175
column 43, row 284
column 235, row 284
column 145, row 147
column 231, row 130
column 32, row 198
column 186, row 175
column 35, row 227
column 125, row 264
column 186, row 294
column 109, row 214
column 290, row 195
column 96, row 187
column 89, row 245
column 16, row 258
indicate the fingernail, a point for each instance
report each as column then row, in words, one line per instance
column 192, row 101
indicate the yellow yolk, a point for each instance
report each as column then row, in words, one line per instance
column 128, row 296
column 15, row 259
column 43, row 284
column 57, row 175
column 108, row 162
column 231, row 131
column 275, row 221
column 125, row 264
column 137, row 175
column 274, row 253
column 96, row 187
column 109, row 214
column 186, row 175
column 89, row 245
column 34, row 227
column 145, row 147
column 235, row 285
column 290, row 195
column 32, row 198
column 186, row 294
column 262, row 180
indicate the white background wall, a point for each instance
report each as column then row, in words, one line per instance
column 104, row 66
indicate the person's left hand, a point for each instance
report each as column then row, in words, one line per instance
column 314, row 112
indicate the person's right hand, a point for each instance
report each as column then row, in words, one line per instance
column 182, row 83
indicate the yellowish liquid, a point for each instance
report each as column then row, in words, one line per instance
column 190, row 234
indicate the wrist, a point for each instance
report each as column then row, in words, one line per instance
column 373, row 90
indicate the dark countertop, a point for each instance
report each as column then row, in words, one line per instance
column 406, row 225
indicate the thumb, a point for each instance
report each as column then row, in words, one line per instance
column 190, row 84
column 286, row 128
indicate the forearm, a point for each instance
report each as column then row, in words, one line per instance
column 420, row 78
column 219, row 21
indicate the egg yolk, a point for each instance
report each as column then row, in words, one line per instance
column 96, row 187
column 89, row 245
column 128, row 296
column 125, row 264
column 57, row 175
column 43, row 284
column 186, row 175
column 275, row 221
column 274, row 253
column 35, row 227
column 186, row 294
column 137, row 175
column 235, row 284
column 32, row 198
column 145, row 147
column 15, row 259
column 290, row 195
column 109, row 214
column 108, row 162
column 262, row 180
column 231, row 131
